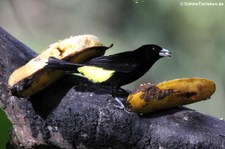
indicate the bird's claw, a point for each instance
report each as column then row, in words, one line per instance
column 121, row 106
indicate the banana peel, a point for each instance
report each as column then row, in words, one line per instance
column 148, row 98
column 33, row 77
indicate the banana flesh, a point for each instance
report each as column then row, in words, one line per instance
column 149, row 98
column 33, row 77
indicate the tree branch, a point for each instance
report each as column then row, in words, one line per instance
column 75, row 113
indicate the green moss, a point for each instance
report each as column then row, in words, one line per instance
column 5, row 126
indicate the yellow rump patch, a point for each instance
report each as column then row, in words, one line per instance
column 95, row 74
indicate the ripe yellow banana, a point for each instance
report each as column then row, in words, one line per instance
column 149, row 98
column 33, row 77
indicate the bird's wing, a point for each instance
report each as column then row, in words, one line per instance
column 123, row 62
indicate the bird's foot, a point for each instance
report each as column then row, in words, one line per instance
column 121, row 105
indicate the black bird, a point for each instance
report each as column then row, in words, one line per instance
column 115, row 70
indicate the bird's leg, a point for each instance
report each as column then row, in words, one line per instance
column 123, row 92
column 121, row 105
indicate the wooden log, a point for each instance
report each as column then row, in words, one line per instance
column 75, row 113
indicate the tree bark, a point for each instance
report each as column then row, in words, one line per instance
column 75, row 113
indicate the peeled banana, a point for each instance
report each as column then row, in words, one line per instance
column 33, row 77
column 148, row 98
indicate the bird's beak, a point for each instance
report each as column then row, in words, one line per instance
column 165, row 53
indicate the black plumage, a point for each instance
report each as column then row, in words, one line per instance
column 125, row 67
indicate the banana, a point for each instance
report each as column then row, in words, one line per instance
column 148, row 98
column 33, row 77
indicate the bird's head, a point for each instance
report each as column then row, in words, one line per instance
column 154, row 51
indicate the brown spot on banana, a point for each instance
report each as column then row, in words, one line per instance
column 150, row 91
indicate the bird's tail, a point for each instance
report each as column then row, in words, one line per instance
column 54, row 63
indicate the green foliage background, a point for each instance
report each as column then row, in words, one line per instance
column 194, row 34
